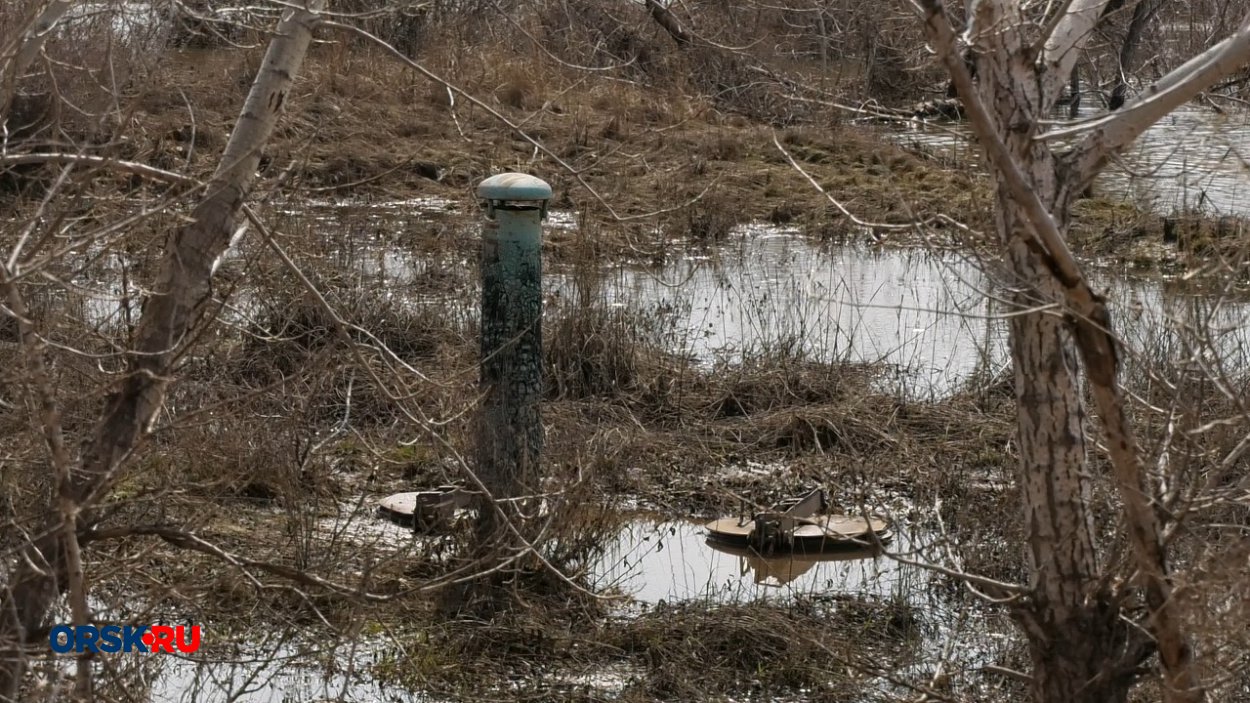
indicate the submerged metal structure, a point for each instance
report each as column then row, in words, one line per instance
column 799, row 525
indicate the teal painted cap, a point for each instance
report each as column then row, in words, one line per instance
column 514, row 186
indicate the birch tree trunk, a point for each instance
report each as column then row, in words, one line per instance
column 18, row 56
column 1082, row 644
column 180, row 293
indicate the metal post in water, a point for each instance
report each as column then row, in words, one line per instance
column 510, row 435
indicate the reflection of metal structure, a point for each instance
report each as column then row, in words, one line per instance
column 779, row 571
column 799, row 525
column 425, row 510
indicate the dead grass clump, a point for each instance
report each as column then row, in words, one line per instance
column 593, row 350
column 691, row 650
column 826, row 429
column 546, row 624
column 294, row 343
column 730, row 82
column 198, row 25
column 1218, row 612
column 288, row 330
column 518, row 88
column 588, row 34
column 783, row 377
column 888, row 76
column 1194, row 231
column 711, row 219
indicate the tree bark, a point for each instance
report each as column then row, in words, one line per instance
column 1074, row 93
column 1073, row 632
column 1081, row 647
column 182, row 289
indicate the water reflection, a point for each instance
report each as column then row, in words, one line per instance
column 923, row 315
column 776, row 571
column 666, row 562
column 672, row 561
column 932, row 319
column 282, row 673
column 1193, row 158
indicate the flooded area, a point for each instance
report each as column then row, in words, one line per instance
column 669, row 562
column 749, row 298
column 929, row 322
column 931, row 319
column 662, row 563
column 923, row 316
column 654, row 563
column 1192, row 160
column 284, row 674
column 928, row 318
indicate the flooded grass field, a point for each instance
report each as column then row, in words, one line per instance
column 742, row 345
column 920, row 325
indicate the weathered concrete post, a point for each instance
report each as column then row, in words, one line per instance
column 510, row 435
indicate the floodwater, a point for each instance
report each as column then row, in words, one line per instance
column 1192, row 159
column 928, row 319
column 658, row 562
column 921, row 315
column 671, row 561
column 653, row 562
column 932, row 320
column 286, row 673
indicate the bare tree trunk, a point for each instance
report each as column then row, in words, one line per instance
column 179, row 297
column 1073, row 632
column 1083, row 648
column 1053, row 477
column 1074, row 93
column 1144, row 11
column 664, row 17
column 1076, row 637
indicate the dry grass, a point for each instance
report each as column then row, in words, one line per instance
column 278, row 422
column 822, row 651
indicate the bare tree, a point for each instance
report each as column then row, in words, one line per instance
column 50, row 564
column 664, row 17
column 1083, row 647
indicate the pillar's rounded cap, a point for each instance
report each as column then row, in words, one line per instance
column 514, row 186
